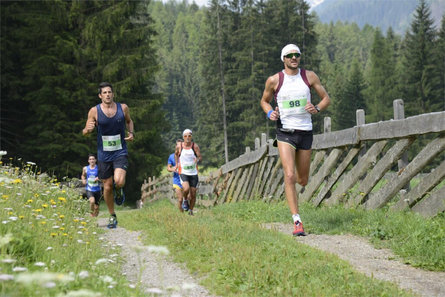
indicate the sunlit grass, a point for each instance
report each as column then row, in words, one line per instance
column 49, row 244
column 237, row 257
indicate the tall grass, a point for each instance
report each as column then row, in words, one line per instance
column 49, row 245
column 238, row 257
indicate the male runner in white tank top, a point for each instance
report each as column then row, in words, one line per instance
column 293, row 114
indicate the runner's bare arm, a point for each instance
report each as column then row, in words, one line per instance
column 84, row 176
column 91, row 121
column 314, row 81
column 129, row 122
column 198, row 152
column 268, row 94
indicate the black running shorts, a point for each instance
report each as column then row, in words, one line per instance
column 106, row 169
column 191, row 179
column 298, row 139
column 96, row 196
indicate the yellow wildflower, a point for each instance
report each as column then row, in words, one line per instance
column 43, row 222
column 17, row 181
column 83, row 223
column 53, row 234
column 61, row 216
column 4, row 196
column 29, row 201
column 76, row 220
column 45, row 205
column 63, row 199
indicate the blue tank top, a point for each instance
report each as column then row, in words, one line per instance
column 171, row 161
column 110, row 135
column 92, row 183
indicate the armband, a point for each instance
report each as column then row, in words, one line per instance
column 269, row 113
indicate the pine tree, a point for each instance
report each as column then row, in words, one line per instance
column 350, row 98
column 419, row 76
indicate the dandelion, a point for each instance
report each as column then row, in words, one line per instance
column 76, row 220
column 19, row 269
column 5, row 197
column 29, row 201
column 45, row 205
column 21, row 217
column 43, row 222
column 62, row 199
column 61, row 217
column 83, row 223
column 17, row 181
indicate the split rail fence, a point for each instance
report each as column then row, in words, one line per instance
column 367, row 166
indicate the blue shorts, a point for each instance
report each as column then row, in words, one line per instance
column 106, row 169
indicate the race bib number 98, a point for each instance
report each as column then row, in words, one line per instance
column 294, row 106
column 111, row 143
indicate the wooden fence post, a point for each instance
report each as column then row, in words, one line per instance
column 399, row 114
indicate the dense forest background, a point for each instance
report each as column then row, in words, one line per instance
column 178, row 65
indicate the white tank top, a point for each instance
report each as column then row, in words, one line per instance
column 187, row 162
column 292, row 97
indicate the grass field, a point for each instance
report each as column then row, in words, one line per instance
column 50, row 246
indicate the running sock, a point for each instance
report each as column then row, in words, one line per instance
column 296, row 217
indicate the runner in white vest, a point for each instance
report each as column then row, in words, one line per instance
column 291, row 88
column 188, row 156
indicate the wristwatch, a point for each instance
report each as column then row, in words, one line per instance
column 317, row 108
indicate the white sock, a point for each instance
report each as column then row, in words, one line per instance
column 296, row 217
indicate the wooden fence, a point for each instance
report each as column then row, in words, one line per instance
column 366, row 165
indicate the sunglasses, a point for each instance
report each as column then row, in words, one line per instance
column 291, row 55
column 187, row 135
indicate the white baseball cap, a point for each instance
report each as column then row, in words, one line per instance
column 287, row 49
column 187, row 131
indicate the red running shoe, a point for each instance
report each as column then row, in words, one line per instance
column 298, row 229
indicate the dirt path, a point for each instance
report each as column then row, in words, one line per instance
column 152, row 270
column 161, row 277
column 380, row 264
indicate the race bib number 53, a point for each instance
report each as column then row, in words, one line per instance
column 111, row 143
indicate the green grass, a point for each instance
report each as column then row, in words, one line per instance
column 49, row 245
column 417, row 240
column 238, row 257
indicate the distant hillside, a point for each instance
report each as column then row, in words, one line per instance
column 382, row 13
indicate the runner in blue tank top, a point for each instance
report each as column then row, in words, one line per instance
column 92, row 186
column 111, row 119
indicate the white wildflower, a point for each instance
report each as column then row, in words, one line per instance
column 9, row 260
column 4, row 240
column 188, row 286
column 40, row 264
column 19, row 269
column 101, row 261
column 84, row 274
column 6, row 277
column 158, row 249
column 50, row 248
column 106, row 279
column 154, row 291
column 49, row 285
column 80, row 293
